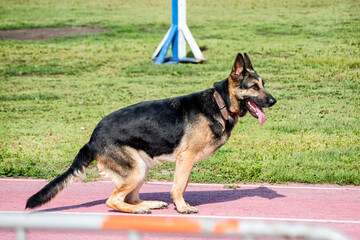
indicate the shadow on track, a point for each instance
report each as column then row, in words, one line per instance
column 83, row 205
column 194, row 198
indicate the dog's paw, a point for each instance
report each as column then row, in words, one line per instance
column 141, row 210
column 187, row 209
column 162, row 205
column 154, row 204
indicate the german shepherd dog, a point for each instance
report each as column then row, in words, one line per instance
column 186, row 129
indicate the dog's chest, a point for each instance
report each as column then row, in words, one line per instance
column 213, row 145
column 207, row 152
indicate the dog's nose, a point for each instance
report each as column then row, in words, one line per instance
column 272, row 101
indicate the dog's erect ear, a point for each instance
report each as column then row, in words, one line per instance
column 248, row 64
column 239, row 66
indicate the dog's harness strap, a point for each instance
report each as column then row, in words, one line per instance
column 222, row 107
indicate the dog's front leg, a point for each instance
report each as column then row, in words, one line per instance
column 182, row 178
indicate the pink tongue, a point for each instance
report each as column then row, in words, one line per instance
column 261, row 114
column 262, row 117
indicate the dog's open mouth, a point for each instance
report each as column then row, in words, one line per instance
column 256, row 111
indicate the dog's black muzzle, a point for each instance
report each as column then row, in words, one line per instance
column 270, row 101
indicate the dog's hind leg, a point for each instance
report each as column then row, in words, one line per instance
column 127, row 171
column 133, row 198
column 117, row 202
column 123, row 198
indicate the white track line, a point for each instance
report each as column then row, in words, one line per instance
column 267, row 186
column 197, row 216
column 216, row 185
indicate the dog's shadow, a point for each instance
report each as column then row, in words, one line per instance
column 194, row 198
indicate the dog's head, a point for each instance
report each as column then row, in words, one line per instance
column 247, row 90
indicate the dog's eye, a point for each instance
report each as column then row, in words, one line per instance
column 255, row 87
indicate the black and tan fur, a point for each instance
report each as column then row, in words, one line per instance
column 186, row 129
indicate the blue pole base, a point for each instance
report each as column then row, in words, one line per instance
column 172, row 39
column 172, row 60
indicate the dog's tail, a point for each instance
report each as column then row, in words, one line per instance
column 76, row 170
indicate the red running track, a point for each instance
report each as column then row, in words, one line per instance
column 333, row 206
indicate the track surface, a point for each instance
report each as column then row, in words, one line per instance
column 332, row 206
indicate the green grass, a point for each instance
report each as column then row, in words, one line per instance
column 53, row 92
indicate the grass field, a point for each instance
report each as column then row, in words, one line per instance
column 53, row 92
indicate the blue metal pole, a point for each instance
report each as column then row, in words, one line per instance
column 175, row 23
column 177, row 36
